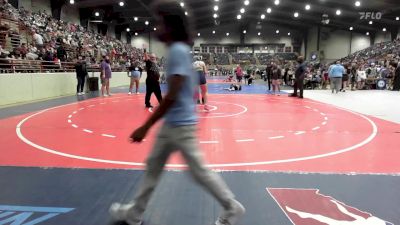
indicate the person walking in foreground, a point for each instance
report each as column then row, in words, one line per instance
column 299, row 76
column 178, row 133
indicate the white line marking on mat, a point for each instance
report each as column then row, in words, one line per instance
column 69, row 121
column 324, row 123
column 70, row 116
column 326, row 118
column 88, row 131
column 74, row 125
column 299, row 132
column 245, row 140
column 315, row 128
column 209, row 142
column 277, row 137
column 107, row 135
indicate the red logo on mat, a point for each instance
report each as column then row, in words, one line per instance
column 309, row 207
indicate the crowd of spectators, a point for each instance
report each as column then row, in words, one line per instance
column 60, row 41
column 221, row 59
column 238, row 58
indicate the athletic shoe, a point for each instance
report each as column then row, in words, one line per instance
column 232, row 215
column 119, row 212
column 300, row 96
column 79, row 94
column 82, row 93
column 137, row 93
column 109, row 95
column 129, row 93
column 105, row 95
column 149, row 106
column 293, row 95
column 279, row 94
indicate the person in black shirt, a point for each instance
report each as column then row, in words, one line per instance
column 299, row 76
column 152, row 80
column 268, row 74
column 81, row 73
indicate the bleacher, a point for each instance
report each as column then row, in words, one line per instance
column 238, row 58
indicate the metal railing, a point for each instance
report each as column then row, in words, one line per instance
column 39, row 66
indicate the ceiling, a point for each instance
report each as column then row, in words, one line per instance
column 281, row 15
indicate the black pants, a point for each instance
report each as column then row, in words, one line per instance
column 81, row 84
column 269, row 82
column 150, row 89
column 299, row 84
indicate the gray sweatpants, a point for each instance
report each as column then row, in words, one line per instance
column 336, row 84
column 183, row 139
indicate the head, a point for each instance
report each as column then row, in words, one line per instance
column 153, row 57
column 338, row 62
column 172, row 23
column 300, row 59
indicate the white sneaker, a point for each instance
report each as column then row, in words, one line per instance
column 129, row 93
column 119, row 212
column 79, row 94
column 137, row 93
column 232, row 215
column 82, row 93
column 105, row 95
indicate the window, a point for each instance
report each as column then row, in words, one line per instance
column 212, row 49
column 204, row 49
column 219, row 49
column 288, row 49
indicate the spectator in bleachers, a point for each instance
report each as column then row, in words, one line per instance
column 38, row 40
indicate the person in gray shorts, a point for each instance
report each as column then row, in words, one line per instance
column 178, row 132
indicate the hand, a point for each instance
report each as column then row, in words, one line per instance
column 139, row 134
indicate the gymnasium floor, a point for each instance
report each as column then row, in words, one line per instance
column 325, row 159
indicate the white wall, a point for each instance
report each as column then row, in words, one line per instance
column 40, row 5
column 382, row 37
column 154, row 46
column 37, row 86
column 123, row 37
column 27, row 4
column 111, row 30
column 359, row 42
column 70, row 13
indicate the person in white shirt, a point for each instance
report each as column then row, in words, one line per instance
column 38, row 40
column 201, row 69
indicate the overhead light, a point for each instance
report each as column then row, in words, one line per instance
column 216, row 0
column 213, row 32
column 384, row 29
column 186, row 13
column 276, row 2
column 296, row 14
column 247, row 2
column 135, row 18
column 216, row 8
column 262, row 16
column 227, row 34
column 215, row 15
column 269, row 10
column 121, row 4
column 245, row 31
column 259, row 33
column 289, row 34
column 397, row 18
column 357, row 3
column 338, row 12
column 136, row 34
column 147, row 22
column 370, row 22
column 367, row 33
column 198, row 34
column 239, row 17
column 154, row 28
column 277, row 31
column 242, row 10
column 71, row 2
column 308, row 7
column 97, row 14
column 128, row 29
column 351, row 28
column 182, row 4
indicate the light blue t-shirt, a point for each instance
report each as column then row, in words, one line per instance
column 179, row 62
column 336, row 70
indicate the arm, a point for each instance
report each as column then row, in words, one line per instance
column 146, row 56
column 175, row 84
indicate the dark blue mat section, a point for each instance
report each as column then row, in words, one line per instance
column 82, row 197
